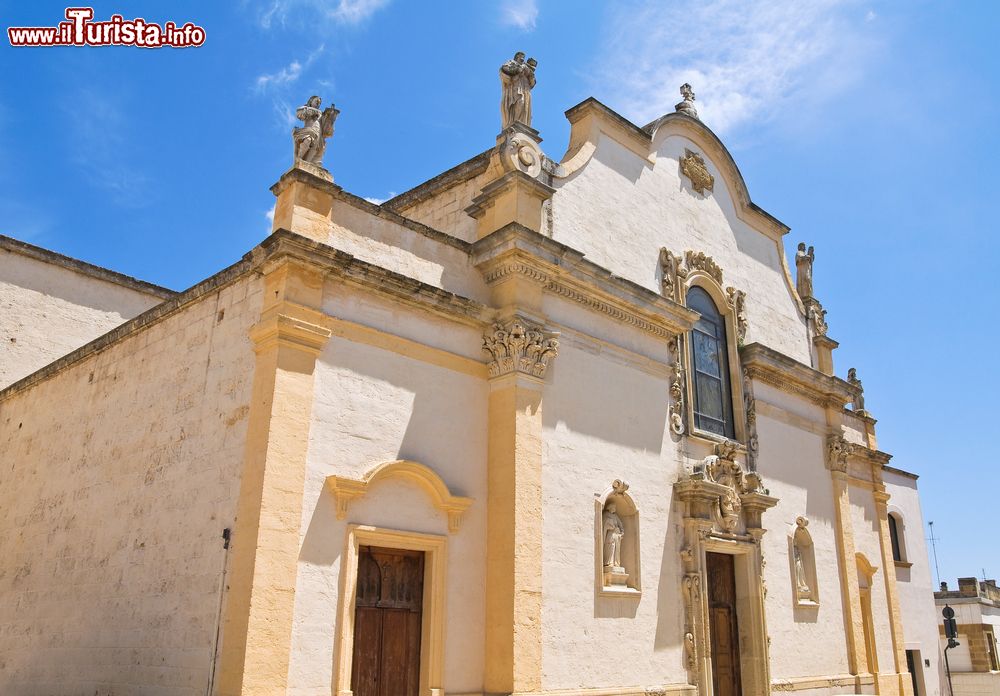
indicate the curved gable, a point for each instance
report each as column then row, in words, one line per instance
column 624, row 192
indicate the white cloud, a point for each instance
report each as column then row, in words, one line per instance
column 270, row 218
column 745, row 60
column 288, row 74
column 520, row 13
column 380, row 201
column 340, row 11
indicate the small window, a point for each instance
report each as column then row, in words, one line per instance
column 897, row 554
column 713, row 405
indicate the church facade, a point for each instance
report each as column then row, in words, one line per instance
column 531, row 427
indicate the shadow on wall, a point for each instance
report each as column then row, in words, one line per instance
column 612, row 403
column 670, row 607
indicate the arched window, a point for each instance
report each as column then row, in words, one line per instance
column 713, row 404
column 897, row 547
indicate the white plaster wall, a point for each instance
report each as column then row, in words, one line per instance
column 620, row 210
column 48, row 310
column 445, row 211
column 117, row 477
column 866, row 540
column 915, row 584
column 805, row 641
column 603, row 421
column 375, row 405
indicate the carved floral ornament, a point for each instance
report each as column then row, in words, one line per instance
column 694, row 168
column 728, row 496
column 519, row 347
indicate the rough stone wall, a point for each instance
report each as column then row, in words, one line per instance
column 48, row 310
column 445, row 210
column 117, row 478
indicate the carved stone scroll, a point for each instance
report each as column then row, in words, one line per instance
column 750, row 408
column 519, row 347
column 737, row 300
column 700, row 261
column 677, row 388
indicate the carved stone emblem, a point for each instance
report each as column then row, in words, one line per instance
column 694, row 168
column 519, row 347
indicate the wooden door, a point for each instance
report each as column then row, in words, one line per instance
column 387, row 622
column 723, row 625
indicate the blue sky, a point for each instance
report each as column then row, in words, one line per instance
column 869, row 127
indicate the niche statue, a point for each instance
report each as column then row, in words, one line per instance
column 614, row 532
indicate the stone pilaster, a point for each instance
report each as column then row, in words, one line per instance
column 837, row 452
column 258, row 614
column 306, row 195
column 520, row 354
column 905, row 684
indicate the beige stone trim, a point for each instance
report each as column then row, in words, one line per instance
column 259, row 603
column 663, row 690
column 850, row 590
column 345, row 489
column 790, row 376
column 826, row 682
column 433, row 613
column 358, row 333
column 905, row 686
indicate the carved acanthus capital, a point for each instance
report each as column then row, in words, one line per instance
column 519, row 347
column 837, row 452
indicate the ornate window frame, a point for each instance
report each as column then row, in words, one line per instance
column 678, row 276
column 432, row 620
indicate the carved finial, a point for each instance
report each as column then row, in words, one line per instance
column 858, row 401
column 686, row 105
column 804, row 270
column 309, row 140
column 517, row 78
column 801, row 522
column 619, row 486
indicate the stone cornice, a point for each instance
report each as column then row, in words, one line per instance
column 31, row 251
column 456, row 175
column 338, row 193
column 515, row 250
column 784, row 373
column 281, row 246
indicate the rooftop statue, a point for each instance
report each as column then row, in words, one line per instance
column 804, row 267
column 686, row 105
column 517, row 77
column 310, row 139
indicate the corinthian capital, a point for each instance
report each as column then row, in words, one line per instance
column 838, row 450
column 519, row 347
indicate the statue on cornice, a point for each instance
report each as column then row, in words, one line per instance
column 686, row 105
column 309, row 139
column 804, row 270
column 517, row 78
column 859, row 391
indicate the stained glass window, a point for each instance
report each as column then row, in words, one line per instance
column 713, row 405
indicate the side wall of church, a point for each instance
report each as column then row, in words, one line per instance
column 916, row 583
column 445, row 210
column 118, row 475
column 419, row 394
column 49, row 309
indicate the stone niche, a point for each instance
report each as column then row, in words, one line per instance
column 802, row 559
column 616, row 527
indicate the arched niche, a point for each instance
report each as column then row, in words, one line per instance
column 616, row 527
column 802, row 559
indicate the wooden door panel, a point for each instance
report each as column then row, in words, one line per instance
column 367, row 640
column 723, row 627
column 387, row 622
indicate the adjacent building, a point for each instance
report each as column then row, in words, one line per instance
column 974, row 663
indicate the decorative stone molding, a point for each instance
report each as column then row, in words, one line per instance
column 519, row 150
column 790, row 376
column 677, row 384
column 346, row 489
column 837, row 452
column 672, row 273
column 519, row 347
column 700, row 261
column 816, row 316
column 750, row 409
column 737, row 301
column 694, row 168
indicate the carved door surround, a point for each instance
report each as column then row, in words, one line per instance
column 723, row 507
